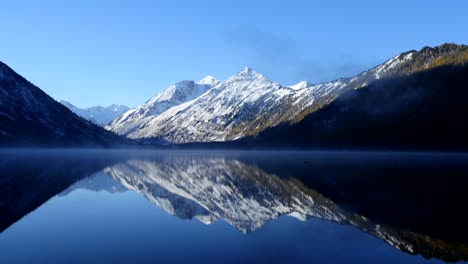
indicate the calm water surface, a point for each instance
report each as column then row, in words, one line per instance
column 96, row 206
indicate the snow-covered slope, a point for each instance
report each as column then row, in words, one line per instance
column 97, row 114
column 174, row 95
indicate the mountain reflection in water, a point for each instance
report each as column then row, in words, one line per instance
column 410, row 203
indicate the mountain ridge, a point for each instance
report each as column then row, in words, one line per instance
column 247, row 103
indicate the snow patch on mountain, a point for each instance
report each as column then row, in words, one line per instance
column 380, row 70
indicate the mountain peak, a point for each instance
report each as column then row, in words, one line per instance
column 248, row 73
column 300, row 85
column 248, row 70
column 209, row 80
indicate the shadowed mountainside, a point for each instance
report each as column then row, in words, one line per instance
column 424, row 111
column 29, row 117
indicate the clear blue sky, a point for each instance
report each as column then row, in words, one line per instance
column 104, row 52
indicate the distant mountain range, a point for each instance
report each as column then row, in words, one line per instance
column 414, row 100
column 98, row 114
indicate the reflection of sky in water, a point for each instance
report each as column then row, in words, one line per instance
column 95, row 227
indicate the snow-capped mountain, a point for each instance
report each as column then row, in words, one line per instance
column 28, row 116
column 174, row 95
column 97, row 114
column 242, row 105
